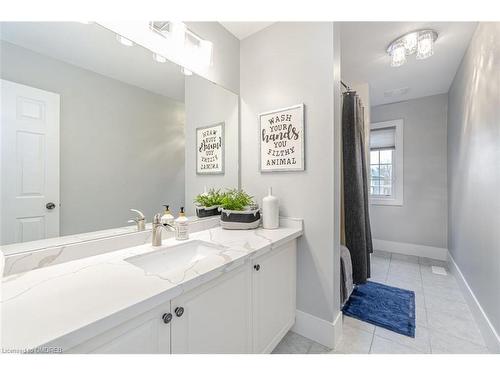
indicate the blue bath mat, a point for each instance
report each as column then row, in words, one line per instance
column 385, row 306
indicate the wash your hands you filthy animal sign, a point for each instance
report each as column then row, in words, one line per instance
column 210, row 149
column 282, row 140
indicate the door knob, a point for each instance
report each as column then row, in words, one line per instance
column 167, row 317
column 179, row 311
column 256, row 267
column 50, row 206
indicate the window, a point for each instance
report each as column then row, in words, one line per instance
column 386, row 163
column 381, row 173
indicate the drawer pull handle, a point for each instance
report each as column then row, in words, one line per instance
column 179, row 311
column 256, row 267
column 167, row 317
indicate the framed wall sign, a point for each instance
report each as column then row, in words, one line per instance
column 282, row 140
column 210, row 149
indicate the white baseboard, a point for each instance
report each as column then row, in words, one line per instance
column 490, row 335
column 322, row 331
column 438, row 253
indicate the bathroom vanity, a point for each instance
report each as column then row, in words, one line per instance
column 219, row 292
column 122, row 121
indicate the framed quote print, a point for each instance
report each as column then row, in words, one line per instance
column 282, row 140
column 210, row 149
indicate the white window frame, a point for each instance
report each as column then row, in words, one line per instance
column 397, row 164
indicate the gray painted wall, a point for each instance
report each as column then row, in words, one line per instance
column 121, row 146
column 225, row 70
column 209, row 104
column 474, row 168
column 283, row 65
column 422, row 219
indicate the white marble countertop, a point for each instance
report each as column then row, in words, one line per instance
column 66, row 304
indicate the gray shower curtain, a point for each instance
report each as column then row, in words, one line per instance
column 358, row 238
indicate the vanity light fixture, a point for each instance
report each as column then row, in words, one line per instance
column 420, row 42
column 171, row 40
column 126, row 42
column 159, row 58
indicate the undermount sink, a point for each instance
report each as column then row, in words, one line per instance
column 174, row 257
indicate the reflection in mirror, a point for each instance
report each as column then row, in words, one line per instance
column 92, row 125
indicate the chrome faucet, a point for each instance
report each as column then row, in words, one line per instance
column 158, row 226
column 139, row 220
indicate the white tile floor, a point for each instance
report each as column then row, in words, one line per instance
column 444, row 323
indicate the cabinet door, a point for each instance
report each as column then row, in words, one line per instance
column 273, row 282
column 216, row 317
column 148, row 333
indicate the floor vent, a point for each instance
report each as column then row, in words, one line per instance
column 439, row 270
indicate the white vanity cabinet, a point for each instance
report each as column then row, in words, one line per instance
column 216, row 317
column 273, row 299
column 246, row 310
column 148, row 333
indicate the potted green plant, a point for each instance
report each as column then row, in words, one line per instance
column 239, row 211
column 208, row 203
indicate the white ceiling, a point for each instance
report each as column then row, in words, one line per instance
column 95, row 48
column 243, row 29
column 364, row 59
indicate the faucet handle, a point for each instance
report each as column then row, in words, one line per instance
column 157, row 219
column 140, row 215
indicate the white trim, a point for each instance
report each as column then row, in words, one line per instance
column 398, row 163
column 432, row 252
column 490, row 335
column 322, row 331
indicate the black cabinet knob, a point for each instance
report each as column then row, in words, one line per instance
column 50, row 206
column 179, row 311
column 256, row 267
column 167, row 317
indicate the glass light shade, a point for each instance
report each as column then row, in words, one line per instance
column 126, row 42
column 159, row 58
column 206, row 49
column 425, row 47
column 410, row 41
column 398, row 55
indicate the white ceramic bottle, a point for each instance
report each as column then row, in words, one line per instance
column 270, row 211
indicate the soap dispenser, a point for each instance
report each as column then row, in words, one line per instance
column 167, row 217
column 181, row 226
column 270, row 211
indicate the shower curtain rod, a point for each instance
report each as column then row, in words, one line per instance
column 345, row 86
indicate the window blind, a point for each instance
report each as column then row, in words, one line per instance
column 383, row 139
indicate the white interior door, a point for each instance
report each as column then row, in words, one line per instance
column 29, row 163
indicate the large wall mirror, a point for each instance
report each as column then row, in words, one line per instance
column 93, row 125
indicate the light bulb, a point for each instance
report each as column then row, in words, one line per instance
column 126, row 42
column 410, row 41
column 398, row 55
column 425, row 47
column 159, row 58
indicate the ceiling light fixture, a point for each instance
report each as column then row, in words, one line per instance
column 425, row 45
column 398, row 55
column 419, row 41
column 126, row 42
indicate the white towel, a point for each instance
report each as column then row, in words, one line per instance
column 346, row 284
